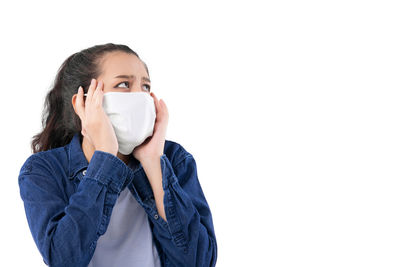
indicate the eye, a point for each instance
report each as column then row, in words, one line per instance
column 127, row 83
column 148, row 87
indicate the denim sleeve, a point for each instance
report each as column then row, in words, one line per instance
column 187, row 238
column 66, row 230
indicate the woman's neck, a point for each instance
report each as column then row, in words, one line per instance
column 88, row 150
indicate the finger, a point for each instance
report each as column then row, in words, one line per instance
column 163, row 105
column 163, row 109
column 155, row 101
column 95, row 92
column 98, row 95
column 79, row 104
column 160, row 106
column 91, row 91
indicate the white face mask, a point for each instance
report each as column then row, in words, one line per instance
column 133, row 117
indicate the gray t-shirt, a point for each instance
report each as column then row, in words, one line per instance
column 128, row 239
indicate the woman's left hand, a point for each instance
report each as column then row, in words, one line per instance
column 153, row 147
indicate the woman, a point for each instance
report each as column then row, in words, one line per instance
column 103, row 187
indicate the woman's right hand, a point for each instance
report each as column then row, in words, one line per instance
column 96, row 125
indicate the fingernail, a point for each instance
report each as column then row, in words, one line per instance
column 79, row 88
column 92, row 80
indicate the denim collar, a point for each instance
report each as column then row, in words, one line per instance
column 140, row 186
column 77, row 160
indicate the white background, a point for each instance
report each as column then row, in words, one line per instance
column 290, row 109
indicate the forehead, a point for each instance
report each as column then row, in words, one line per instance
column 116, row 63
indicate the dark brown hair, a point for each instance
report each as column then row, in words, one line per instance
column 59, row 120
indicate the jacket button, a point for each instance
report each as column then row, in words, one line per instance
column 156, row 216
column 84, row 172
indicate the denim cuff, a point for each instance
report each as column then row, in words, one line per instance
column 108, row 170
column 168, row 175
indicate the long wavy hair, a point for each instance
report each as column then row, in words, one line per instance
column 59, row 120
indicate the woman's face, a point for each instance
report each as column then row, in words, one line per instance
column 123, row 72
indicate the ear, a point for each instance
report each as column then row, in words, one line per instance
column 73, row 100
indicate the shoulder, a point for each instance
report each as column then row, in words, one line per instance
column 42, row 176
column 45, row 161
column 183, row 164
column 176, row 152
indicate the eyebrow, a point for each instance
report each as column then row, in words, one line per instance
column 131, row 77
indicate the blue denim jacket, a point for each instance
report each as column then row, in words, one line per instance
column 68, row 204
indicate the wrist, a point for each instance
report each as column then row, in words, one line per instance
column 150, row 159
column 108, row 150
